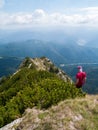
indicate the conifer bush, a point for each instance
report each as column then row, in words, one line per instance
column 29, row 88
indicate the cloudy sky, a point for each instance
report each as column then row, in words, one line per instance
column 48, row 12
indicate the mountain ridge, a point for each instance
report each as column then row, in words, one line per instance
column 59, row 53
column 37, row 83
column 45, row 64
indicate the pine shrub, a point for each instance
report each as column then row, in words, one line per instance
column 29, row 88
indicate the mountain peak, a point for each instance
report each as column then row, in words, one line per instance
column 45, row 64
column 42, row 63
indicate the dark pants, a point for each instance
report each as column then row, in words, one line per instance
column 77, row 86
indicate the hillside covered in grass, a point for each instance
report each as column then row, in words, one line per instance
column 70, row 114
column 37, row 83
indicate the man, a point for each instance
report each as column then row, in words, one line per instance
column 80, row 77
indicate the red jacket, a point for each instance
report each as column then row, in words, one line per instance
column 80, row 76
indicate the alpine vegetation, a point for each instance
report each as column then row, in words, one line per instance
column 37, row 83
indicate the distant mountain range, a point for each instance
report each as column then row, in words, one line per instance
column 58, row 53
column 82, row 36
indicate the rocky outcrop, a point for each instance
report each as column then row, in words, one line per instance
column 46, row 64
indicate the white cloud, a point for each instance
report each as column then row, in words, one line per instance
column 84, row 16
column 39, row 13
column 90, row 10
column 81, row 42
column 2, row 3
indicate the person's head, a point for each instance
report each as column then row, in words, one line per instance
column 79, row 68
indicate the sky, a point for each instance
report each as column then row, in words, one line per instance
column 27, row 13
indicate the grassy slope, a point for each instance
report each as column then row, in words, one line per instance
column 71, row 114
